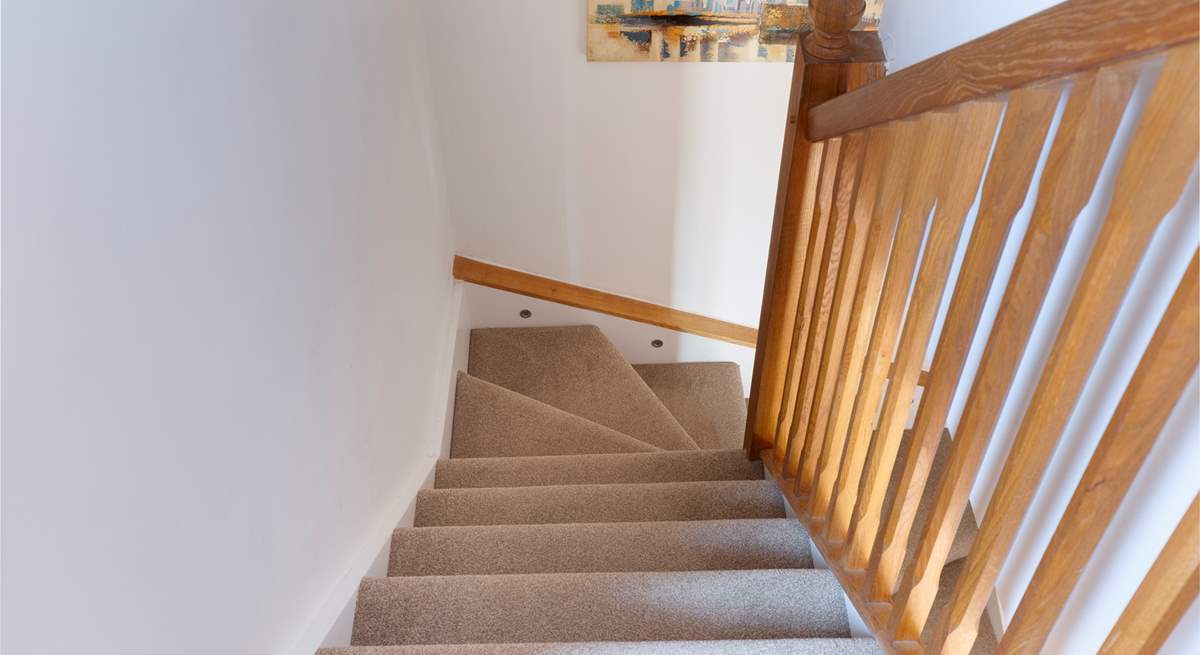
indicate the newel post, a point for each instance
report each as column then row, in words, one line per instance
column 831, row 59
column 832, row 21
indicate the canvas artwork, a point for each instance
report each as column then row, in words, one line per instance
column 701, row 30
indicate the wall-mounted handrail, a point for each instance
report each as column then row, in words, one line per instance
column 604, row 302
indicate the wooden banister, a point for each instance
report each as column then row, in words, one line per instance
column 1158, row 164
column 1074, row 36
column 1080, row 146
column 873, row 209
column 1026, row 122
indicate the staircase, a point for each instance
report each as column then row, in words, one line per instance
column 591, row 506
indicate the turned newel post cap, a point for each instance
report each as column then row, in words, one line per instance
column 832, row 21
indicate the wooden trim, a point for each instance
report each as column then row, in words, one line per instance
column 1070, row 37
column 565, row 293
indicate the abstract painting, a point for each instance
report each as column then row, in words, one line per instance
column 701, row 30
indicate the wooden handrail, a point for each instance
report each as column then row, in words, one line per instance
column 565, row 293
column 1073, row 36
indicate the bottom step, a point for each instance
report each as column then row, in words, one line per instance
column 585, row 607
column 725, row 647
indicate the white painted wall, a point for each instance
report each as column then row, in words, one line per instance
column 651, row 180
column 227, row 317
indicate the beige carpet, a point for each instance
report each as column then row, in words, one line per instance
column 576, row 516
column 491, row 421
column 683, row 605
column 730, row 544
column 663, row 466
column 713, row 647
column 600, row 503
column 576, row 369
column 705, row 397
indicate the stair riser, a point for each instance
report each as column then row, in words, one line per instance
column 600, row 607
column 666, row 546
column 746, row 647
column 667, row 466
column 676, row 501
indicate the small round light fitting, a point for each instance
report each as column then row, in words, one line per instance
column 657, row 343
column 525, row 313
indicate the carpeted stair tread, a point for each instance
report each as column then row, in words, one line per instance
column 601, row 547
column 985, row 641
column 967, row 528
column 574, row 607
column 662, row 466
column 705, row 397
column 844, row 646
column 576, row 369
column 599, row 503
column 491, row 421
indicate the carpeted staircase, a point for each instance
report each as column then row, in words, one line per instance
column 590, row 506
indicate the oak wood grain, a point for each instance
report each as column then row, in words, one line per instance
column 1168, row 590
column 926, row 182
column 1026, row 121
column 842, row 203
column 813, row 82
column 1156, row 168
column 1163, row 373
column 861, row 234
column 565, row 293
column 1074, row 36
column 1080, row 145
column 884, row 218
column 974, row 134
column 809, row 280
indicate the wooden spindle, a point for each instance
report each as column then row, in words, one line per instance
column 1163, row 373
column 860, row 235
column 976, row 130
column 843, row 196
column 926, row 181
column 814, row 81
column 1166, row 593
column 1158, row 164
column 1026, row 122
column 883, row 222
column 785, row 439
column 1080, row 146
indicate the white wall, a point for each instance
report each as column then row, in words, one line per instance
column 227, row 315
column 651, row 180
